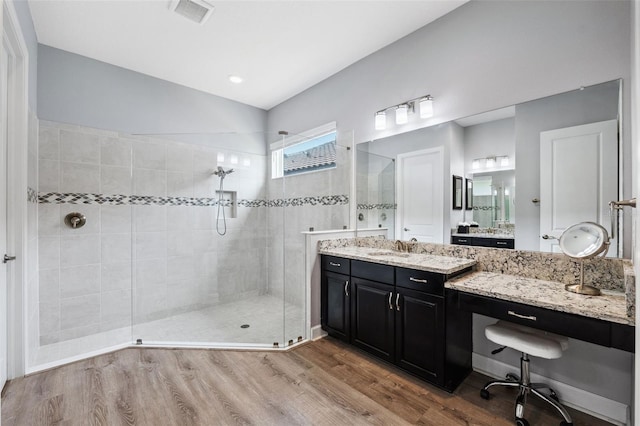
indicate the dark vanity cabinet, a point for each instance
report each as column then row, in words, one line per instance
column 335, row 295
column 508, row 243
column 401, row 316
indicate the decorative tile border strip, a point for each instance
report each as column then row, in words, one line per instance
column 148, row 200
column 486, row 208
column 377, row 206
column 32, row 195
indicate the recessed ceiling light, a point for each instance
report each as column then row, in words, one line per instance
column 235, row 79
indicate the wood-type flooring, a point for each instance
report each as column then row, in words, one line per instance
column 320, row 383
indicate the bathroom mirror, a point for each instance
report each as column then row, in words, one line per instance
column 494, row 198
column 508, row 139
column 584, row 241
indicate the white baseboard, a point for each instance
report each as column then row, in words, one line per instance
column 595, row 405
column 317, row 332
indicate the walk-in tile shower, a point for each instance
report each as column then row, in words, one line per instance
column 156, row 263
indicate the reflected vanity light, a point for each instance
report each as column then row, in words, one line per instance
column 492, row 162
column 403, row 110
column 220, row 157
column 246, row 162
column 233, row 159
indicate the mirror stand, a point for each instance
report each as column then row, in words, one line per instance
column 581, row 288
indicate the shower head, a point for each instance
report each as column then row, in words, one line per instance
column 221, row 173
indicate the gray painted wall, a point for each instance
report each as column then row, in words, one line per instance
column 29, row 33
column 78, row 90
column 480, row 57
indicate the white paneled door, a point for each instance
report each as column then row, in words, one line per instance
column 578, row 179
column 420, row 196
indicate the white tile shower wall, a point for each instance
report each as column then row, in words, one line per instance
column 143, row 262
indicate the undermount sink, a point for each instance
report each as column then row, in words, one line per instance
column 389, row 253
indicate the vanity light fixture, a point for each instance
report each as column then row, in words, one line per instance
column 402, row 114
column 403, row 110
column 491, row 162
column 236, row 79
column 504, row 161
column 475, row 165
column 381, row 120
column 426, row 107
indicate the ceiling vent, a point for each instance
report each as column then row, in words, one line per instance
column 197, row 11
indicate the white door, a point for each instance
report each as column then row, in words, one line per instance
column 4, row 115
column 420, row 196
column 574, row 161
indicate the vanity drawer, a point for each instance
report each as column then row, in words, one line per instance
column 569, row 325
column 338, row 265
column 429, row 282
column 373, row 271
column 508, row 243
column 623, row 337
column 464, row 241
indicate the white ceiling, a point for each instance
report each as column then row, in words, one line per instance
column 280, row 48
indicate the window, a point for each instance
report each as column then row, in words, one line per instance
column 305, row 154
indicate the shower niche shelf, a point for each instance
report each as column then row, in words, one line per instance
column 229, row 202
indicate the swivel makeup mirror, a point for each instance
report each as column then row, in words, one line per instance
column 582, row 241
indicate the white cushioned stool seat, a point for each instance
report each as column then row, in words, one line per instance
column 527, row 340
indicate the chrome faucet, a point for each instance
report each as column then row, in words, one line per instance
column 405, row 246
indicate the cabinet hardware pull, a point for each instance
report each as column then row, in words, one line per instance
column 417, row 280
column 397, row 301
column 527, row 317
column 346, row 288
column 390, row 305
column 462, row 241
column 334, row 264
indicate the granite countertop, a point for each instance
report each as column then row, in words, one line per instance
column 484, row 235
column 422, row 262
column 610, row 306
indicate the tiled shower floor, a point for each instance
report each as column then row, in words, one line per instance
column 219, row 325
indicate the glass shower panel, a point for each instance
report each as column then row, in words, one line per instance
column 317, row 199
column 375, row 191
column 84, row 202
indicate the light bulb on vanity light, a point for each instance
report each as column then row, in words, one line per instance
column 426, row 107
column 504, row 161
column 491, row 162
column 402, row 114
column 381, row 120
column 475, row 165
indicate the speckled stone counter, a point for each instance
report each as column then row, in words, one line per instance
column 610, row 306
column 532, row 278
column 422, row 262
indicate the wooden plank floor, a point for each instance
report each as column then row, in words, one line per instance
column 321, row 383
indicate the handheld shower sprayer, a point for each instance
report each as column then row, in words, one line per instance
column 221, row 173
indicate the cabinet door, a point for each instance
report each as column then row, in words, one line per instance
column 335, row 295
column 372, row 315
column 420, row 334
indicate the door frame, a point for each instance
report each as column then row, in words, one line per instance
column 17, row 148
column 400, row 196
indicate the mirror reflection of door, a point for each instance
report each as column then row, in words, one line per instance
column 578, row 179
column 420, row 196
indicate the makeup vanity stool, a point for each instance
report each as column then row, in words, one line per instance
column 532, row 342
